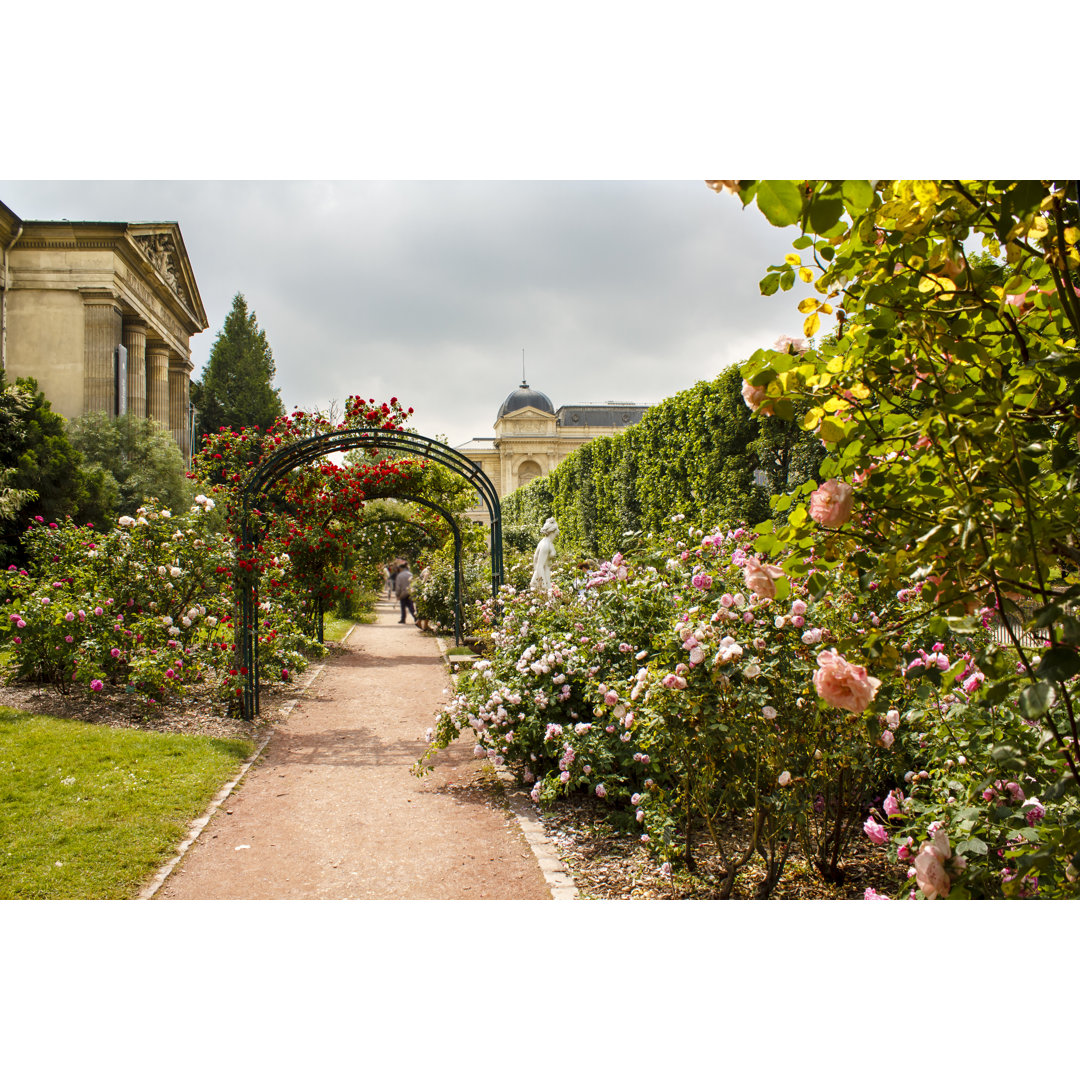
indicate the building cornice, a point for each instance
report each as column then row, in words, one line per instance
column 153, row 252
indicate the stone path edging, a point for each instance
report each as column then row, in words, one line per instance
column 557, row 876
column 200, row 823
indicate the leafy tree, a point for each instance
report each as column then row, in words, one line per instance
column 950, row 400
column 40, row 471
column 235, row 391
column 134, row 459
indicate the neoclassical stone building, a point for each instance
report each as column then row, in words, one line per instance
column 532, row 436
column 102, row 315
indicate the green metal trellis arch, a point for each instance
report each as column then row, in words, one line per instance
column 457, row 554
column 283, row 461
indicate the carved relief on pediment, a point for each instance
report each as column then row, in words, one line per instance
column 160, row 249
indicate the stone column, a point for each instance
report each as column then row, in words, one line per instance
column 135, row 340
column 157, row 390
column 102, row 320
column 179, row 398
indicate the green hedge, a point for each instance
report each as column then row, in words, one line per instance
column 695, row 453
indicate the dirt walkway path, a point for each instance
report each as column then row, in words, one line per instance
column 331, row 811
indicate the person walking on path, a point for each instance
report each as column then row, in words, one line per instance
column 332, row 810
column 403, row 589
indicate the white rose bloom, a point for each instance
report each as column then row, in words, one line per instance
column 175, row 571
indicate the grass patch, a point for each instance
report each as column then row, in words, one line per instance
column 89, row 812
column 459, row 650
column 334, row 629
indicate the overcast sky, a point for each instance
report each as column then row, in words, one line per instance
column 625, row 291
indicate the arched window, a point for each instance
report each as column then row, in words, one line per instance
column 527, row 470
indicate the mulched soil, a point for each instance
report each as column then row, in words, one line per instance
column 605, row 863
column 611, row 865
column 197, row 714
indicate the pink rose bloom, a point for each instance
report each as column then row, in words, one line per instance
column 930, row 873
column 787, row 344
column 761, row 577
column 754, row 396
column 875, row 830
column 611, row 697
column 798, row 607
column 843, row 685
column 887, row 738
column 890, row 805
column 601, row 791
column 832, row 503
column 96, row 684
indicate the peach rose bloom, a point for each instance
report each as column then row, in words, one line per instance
column 754, row 396
column 930, row 873
column 761, row 577
column 845, row 685
column 832, row 503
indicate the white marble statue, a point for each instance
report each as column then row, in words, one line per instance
column 542, row 557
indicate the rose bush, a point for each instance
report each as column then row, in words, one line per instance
column 947, row 397
column 146, row 606
column 665, row 684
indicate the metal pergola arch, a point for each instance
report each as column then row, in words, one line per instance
column 283, row 461
column 457, row 551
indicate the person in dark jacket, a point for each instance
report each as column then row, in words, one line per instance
column 403, row 589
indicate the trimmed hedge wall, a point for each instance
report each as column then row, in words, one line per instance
column 694, row 453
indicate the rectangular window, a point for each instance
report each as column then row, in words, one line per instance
column 120, row 381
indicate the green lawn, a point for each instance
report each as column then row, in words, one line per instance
column 334, row 629
column 90, row 812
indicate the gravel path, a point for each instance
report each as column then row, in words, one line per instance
column 331, row 811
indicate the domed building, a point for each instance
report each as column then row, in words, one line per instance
column 532, row 436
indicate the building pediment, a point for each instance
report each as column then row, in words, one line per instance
column 162, row 249
column 524, row 422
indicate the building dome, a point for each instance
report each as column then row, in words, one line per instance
column 523, row 397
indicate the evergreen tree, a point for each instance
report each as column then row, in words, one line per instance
column 235, row 390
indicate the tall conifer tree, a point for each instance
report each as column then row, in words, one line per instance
column 236, row 388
